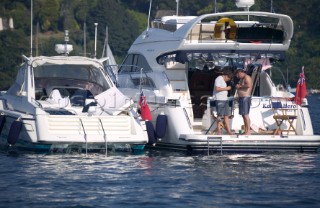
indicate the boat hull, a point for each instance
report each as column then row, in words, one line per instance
column 70, row 148
column 195, row 144
column 66, row 134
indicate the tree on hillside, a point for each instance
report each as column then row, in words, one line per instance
column 127, row 18
column 123, row 28
column 81, row 9
column 13, row 44
column 46, row 12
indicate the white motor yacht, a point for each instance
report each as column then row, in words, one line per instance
column 178, row 59
column 68, row 103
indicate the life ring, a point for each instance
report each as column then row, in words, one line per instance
column 225, row 28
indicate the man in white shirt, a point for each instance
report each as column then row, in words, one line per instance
column 220, row 94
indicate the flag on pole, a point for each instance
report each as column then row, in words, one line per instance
column 144, row 108
column 301, row 90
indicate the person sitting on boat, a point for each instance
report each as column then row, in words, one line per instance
column 220, row 93
column 244, row 88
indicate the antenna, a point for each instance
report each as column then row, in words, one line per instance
column 31, row 17
column 84, row 39
column 215, row 6
column 66, row 39
column 95, row 40
column 177, row 7
column 105, row 46
column 37, row 39
column 64, row 48
column 149, row 16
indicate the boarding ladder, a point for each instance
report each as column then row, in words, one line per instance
column 211, row 142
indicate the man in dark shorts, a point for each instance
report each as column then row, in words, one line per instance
column 220, row 94
column 244, row 89
column 244, row 105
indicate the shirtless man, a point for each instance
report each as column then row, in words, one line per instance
column 244, row 88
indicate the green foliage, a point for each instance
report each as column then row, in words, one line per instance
column 140, row 18
column 126, row 19
column 47, row 13
column 123, row 28
column 5, row 81
column 21, row 16
column 12, row 45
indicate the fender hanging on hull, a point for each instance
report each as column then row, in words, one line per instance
column 14, row 132
column 2, row 121
column 161, row 125
column 151, row 133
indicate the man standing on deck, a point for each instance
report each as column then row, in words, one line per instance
column 220, row 93
column 244, row 89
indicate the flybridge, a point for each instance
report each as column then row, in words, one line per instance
column 228, row 34
column 241, row 27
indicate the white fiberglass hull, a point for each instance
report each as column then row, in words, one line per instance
column 250, row 143
column 55, row 132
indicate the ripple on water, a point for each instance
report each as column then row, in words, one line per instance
column 162, row 179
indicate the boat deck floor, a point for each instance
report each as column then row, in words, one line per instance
column 199, row 129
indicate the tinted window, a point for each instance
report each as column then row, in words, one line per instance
column 134, row 63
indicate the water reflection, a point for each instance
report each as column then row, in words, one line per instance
column 159, row 179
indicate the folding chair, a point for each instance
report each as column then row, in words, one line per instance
column 212, row 104
column 282, row 114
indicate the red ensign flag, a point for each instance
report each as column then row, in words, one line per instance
column 145, row 111
column 301, row 90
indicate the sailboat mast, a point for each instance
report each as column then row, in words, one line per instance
column 177, row 12
column 149, row 16
column 84, row 39
column 105, row 45
column 95, row 40
column 31, row 18
column 215, row 6
column 37, row 39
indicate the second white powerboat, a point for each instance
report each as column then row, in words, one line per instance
column 178, row 60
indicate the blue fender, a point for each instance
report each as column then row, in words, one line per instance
column 151, row 133
column 161, row 125
column 2, row 121
column 14, row 132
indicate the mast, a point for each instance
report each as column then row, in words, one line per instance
column 215, row 6
column 95, row 40
column 149, row 16
column 37, row 39
column 84, row 39
column 105, row 46
column 31, row 17
column 177, row 12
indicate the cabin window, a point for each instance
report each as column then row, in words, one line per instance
column 134, row 63
column 77, row 72
column 47, row 77
column 146, row 82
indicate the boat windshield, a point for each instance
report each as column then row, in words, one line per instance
column 80, row 76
